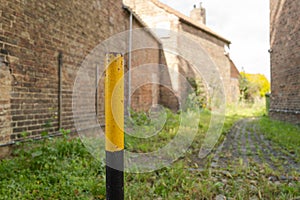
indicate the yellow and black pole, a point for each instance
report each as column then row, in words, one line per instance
column 114, row 126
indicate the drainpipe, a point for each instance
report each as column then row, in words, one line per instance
column 129, row 63
column 60, row 63
column 96, row 86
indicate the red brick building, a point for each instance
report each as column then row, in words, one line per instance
column 43, row 44
column 158, row 15
column 285, row 60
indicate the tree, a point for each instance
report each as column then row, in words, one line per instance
column 253, row 86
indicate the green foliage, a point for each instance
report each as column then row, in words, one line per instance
column 51, row 169
column 197, row 97
column 253, row 86
column 64, row 132
column 162, row 127
column 246, row 110
column 139, row 118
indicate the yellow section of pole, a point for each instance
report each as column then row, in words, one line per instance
column 114, row 102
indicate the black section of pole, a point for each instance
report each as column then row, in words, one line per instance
column 115, row 177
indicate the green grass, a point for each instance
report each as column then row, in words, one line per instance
column 180, row 182
column 283, row 134
column 146, row 135
column 243, row 110
column 62, row 168
column 53, row 169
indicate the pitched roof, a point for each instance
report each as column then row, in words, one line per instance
column 189, row 20
column 137, row 17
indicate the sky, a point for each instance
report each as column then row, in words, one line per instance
column 244, row 23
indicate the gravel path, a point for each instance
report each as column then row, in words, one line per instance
column 245, row 143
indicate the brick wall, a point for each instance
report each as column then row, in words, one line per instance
column 285, row 60
column 215, row 50
column 5, row 88
column 155, row 14
column 147, row 95
column 167, row 97
column 234, row 80
column 32, row 34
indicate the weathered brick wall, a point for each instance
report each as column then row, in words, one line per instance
column 234, row 90
column 33, row 33
column 155, row 15
column 285, row 60
column 234, row 80
column 146, row 95
column 215, row 50
column 5, row 88
column 167, row 97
